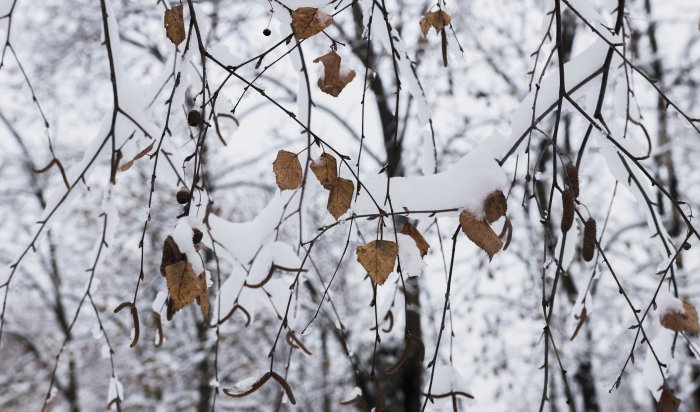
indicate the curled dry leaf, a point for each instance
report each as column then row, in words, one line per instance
column 479, row 232
column 174, row 24
column 326, row 170
column 378, row 258
column 127, row 165
column 183, row 285
column 287, row 170
column 308, row 21
column 436, row 19
column 333, row 80
column 682, row 322
column 668, row 401
column 340, row 197
column 410, row 230
column 495, row 206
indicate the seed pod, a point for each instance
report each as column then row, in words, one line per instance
column 567, row 216
column 183, row 196
column 197, row 236
column 572, row 179
column 589, row 239
column 194, row 118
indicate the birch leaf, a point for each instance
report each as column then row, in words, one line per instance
column 410, row 230
column 378, row 258
column 308, row 21
column 326, row 170
column 287, row 170
column 333, row 80
column 479, row 232
column 495, row 206
column 174, row 24
column 183, row 285
column 682, row 322
column 436, row 19
column 340, row 197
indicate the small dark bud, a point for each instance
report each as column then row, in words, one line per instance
column 183, row 196
column 194, row 118
column 267, row 31
column 197, row 236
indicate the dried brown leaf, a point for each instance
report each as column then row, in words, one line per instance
column 287, row 170
column 436, row 19
column 326, row 170
column 668, row 401
column 127, row 165
column 308, row 21
column 340, row 197
column 479, row 232
column 682, row 322
column 333, row 80
column 174, row 24
column 378, row 258
column 183, row 285
column 410, row 230
column 495, row 206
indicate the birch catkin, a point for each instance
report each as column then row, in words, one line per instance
column 589, row 239
column 572, row 179
column 567, row 217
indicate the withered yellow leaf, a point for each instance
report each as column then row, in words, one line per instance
column 183, row 285
column 333, row 80
column 326, row 170
column 287, row 170
column 495, row 206
column 410, row 230
column 174, row 24
column 437, row 19
column 378, row 258
column 479, row 232
column 308, row 21
column 203, row 297
column 340, row 197
column 682, row 322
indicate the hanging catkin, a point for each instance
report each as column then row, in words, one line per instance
column 567, row 217
column 572, row 179
column 589, row 239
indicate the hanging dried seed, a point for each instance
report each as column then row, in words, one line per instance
column 589, row 239
column 183, row 196
column 567, row 217
column 194, row 118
